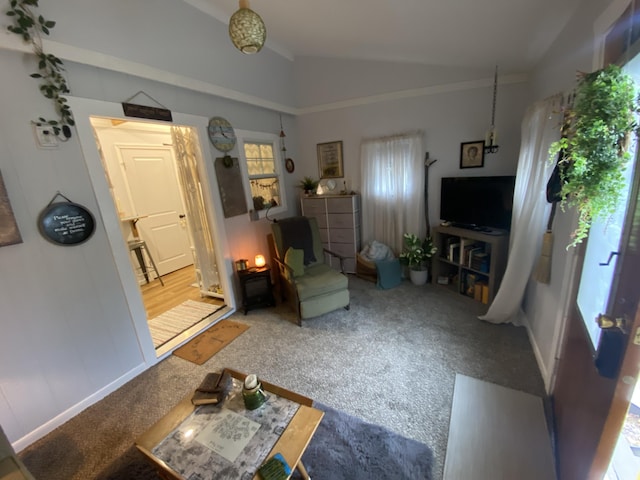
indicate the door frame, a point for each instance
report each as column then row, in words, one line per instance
column 84, row 108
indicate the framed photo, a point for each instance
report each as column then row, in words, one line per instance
column 472, row 154
column 330, row 160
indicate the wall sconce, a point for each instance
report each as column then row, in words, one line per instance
column 260, row 261
column 491, row 138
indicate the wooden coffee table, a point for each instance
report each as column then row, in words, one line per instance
column 291, row 444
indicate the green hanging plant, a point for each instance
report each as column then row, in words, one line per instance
column 594, row 146
column 53, row 84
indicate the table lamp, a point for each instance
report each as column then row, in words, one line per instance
column 260, row 261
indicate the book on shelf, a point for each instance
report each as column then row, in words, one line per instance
column 477, row 291
column 213, row 388
column 480, row 261
column 485, row 293
column 466, row 246
column 470, row 282
column 454, row 252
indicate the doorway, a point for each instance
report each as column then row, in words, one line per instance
column 117, row 233
column 148, row 193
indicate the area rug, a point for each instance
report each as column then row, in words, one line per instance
column 347, row 448
column 343, row 448
column 511, row 422
column 211, row 341
column 175, row 321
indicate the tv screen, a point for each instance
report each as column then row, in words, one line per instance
column 477, row 202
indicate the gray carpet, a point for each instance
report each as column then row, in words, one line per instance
column 390, row 360
column 343, row 448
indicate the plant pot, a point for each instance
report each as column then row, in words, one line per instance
column 418, row 277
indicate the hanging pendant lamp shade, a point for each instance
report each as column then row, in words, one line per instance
column 247, row 30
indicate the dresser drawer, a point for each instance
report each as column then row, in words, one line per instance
column 344, row 235
column 312, row 207
column 344, row 249
column 341, row 220
column 341, row 205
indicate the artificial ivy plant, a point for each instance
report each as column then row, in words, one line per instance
column 594, row 145
column 53, row 84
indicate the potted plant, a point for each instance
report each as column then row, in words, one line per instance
column 594, row 145
column 309, row 185
column 416, row 255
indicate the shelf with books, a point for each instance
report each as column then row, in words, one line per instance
column 470, row 262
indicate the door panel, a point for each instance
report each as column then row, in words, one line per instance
column 589, row 409
column 157, row 200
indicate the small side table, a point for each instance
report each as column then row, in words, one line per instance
column 256, row 288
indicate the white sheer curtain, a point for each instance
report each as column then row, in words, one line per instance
column 393, row 188
column 185, row 144
column 540, row 128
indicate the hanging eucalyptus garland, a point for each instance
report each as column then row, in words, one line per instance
column 53, row 84
column 594, row 147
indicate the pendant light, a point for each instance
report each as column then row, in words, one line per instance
column 247, row 30
column 491, row 138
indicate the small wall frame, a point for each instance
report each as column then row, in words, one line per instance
column 330, row 160
column 472, row 154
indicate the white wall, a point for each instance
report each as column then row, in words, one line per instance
column 450, row 106
column 68, row 332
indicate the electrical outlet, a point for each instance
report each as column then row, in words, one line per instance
column 45, row 136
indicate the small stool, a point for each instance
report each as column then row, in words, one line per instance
column 137, row 246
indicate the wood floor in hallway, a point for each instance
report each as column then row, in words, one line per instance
column 178, row 287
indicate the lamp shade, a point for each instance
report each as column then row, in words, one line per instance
column 247, row 30
column 260, row 261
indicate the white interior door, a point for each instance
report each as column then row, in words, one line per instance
column 156, row 197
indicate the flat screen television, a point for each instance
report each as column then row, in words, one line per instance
column 481, row 203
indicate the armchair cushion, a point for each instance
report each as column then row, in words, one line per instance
column 320, row 279
column 294, row 258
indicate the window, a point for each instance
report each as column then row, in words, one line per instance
column 261, row 165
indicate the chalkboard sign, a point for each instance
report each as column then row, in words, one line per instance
column 66, row 223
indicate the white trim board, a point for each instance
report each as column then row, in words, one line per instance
column 496, row 432
column 96, row 59
column 74, row 410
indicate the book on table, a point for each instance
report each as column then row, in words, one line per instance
column 213, row 388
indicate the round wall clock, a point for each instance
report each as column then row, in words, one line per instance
column 221, row 134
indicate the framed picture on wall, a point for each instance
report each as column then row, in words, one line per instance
column 472, row 154
column 9, row 233
column 330, row 160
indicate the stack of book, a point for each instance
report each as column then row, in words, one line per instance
column 213, row 389
column 479, row 261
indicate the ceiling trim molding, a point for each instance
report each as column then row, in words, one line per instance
column 108, row 62
column 96, row 59
column 415, row 92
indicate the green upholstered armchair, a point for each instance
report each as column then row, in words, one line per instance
column 307, row 282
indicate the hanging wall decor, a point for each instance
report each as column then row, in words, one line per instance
column 9, row 233
column 66, row 223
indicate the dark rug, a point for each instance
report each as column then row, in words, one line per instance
column 344, row 447
column 347, row 448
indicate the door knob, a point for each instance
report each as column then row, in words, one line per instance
column 605, row 322
column 182, row 215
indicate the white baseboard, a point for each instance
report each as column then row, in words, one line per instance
column 71, row 412
column 546, row 377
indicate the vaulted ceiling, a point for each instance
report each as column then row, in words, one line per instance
column 513, row 34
